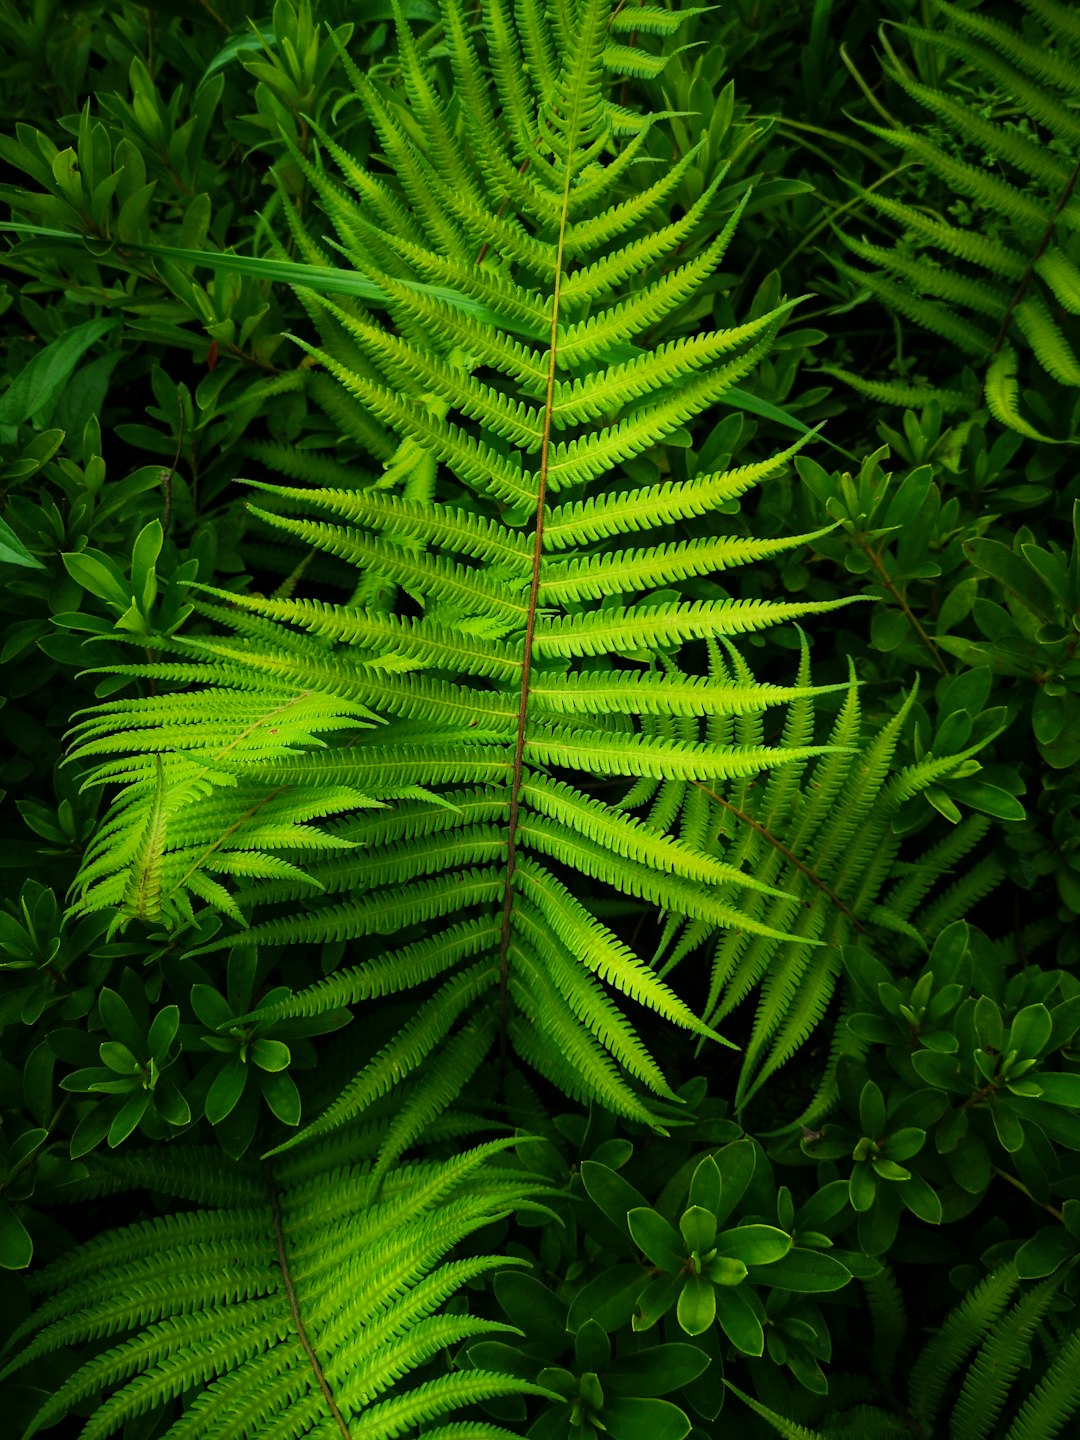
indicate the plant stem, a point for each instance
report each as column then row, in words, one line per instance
column 900, row 598
column 1019, row 1184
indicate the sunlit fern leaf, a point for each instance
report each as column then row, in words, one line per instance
column 1009, row 259
column 190, row 806
column 303, row 1300
column 142, row 895
column 492, row 641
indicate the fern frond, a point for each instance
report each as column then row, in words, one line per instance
column 385, row 974
column 475, row 649
column 424, row 575
column 1050, row 347
column 589, row 282
column 143, row 894
column 895, row 392
column 648, row 627
column 1043, row 63
column 995, row 1368
column 780, row 1423
column 410, row 1048
column 334, row 1300
column 793, row 1002
column 584, row 521
column 937, row 318
column 963, row 1329
column 924, row 276
column 642, row 693
column 622, row 217
column 312, row 465
column 424, row 762
column 1063, row 278
column 622, row 835
column 803, row 844
column 966, row 179
column 627, row 570
column 615, row 963
column 886, row 1304
column 589, row 1062
column 590, row 339
column 445, row 527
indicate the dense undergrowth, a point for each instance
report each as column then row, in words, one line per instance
column 541, row 550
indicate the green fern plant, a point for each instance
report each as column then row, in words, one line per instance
column 832, row 832
column 1000, row 279
column 307, row 1300
column 518, row 775
column 512, row 652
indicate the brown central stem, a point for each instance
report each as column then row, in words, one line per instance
column 783, row 849
column 530, row 626
column 294, row 1306
column 1019, row 1185
column 901, row 599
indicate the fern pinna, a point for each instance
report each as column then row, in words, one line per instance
column 513, row 676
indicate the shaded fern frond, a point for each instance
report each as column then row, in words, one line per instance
column 1010, row 257
column 896, row 392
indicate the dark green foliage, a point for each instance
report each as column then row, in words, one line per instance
column 1013, row 218
column 498, row 941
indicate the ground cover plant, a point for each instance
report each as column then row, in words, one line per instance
column 542, row 559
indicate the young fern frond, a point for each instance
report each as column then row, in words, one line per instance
column 189, row 801
column 143, row 894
